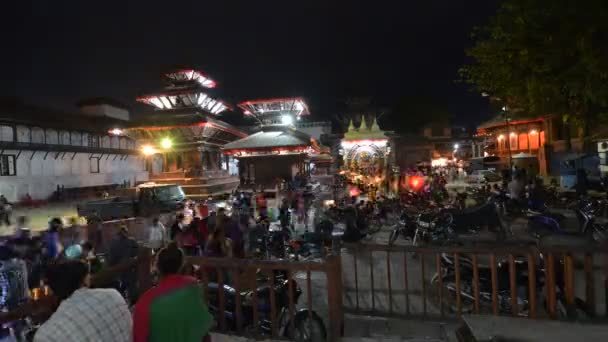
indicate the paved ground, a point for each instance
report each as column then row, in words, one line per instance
column 370, row 328
column 39, row 217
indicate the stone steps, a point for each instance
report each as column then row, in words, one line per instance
column 195, row 180
column 371, row 328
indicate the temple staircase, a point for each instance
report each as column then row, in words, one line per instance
column 199, row 185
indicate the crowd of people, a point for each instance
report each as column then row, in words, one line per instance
column 66, row 255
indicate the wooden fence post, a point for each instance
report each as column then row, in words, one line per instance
column 334, row 296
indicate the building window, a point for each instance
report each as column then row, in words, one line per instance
column 7, row 165
column 523, row 141
column 534, row 136
column 94, row 165
column 93, row 141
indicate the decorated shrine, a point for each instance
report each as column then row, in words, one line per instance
column 365, row 153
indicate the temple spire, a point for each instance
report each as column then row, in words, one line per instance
column 351, row 126
column 374, row 126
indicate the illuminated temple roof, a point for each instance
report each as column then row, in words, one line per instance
column 278, row 139
column 183, row 126
column 368, row 133
column 275, row 111
column 186, row 89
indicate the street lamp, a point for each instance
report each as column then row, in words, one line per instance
column 504, row 112
column 287, row 120
column 148, row 150
column 166, row 143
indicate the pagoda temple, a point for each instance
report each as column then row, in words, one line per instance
column 183, row 136
column 277, row 151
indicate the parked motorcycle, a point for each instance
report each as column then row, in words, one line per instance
column 308, row 326
column 406, row 228
column 474, row 220
column 467, row 293
column 581, row 225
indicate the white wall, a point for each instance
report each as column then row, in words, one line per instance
column 314, row 129
column 40, row 177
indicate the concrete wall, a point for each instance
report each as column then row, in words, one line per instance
column 40, row 177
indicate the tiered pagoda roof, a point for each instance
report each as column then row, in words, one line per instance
column 186, row 89
column 271, row 111
column 185, row 114
column 184, row 128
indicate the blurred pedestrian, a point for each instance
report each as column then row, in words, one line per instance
column 51, row 241
column 122, row 248
column 5, row 211
column 157, row 235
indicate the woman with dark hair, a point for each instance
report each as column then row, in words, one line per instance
column 174, row 310
column 84, row 314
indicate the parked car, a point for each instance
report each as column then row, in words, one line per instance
column 143, row 200
column 481, row 176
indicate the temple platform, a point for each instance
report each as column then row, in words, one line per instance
column 201, row 185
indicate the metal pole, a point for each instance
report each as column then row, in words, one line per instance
column 508, row 140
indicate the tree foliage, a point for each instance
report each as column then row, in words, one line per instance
column 544, row 57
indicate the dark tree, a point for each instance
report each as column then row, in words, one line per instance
column 545, row 57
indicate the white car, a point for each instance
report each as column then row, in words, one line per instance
column 482, row 176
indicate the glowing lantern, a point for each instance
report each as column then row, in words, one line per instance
column 354, row 192
column 115, row 131
column 416, row 182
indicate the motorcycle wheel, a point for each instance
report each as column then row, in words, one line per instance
column 308, row 329
column 466, row 305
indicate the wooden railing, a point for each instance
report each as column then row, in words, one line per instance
column 327, row 294
column 420, row 294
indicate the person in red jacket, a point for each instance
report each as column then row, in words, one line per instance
column 175, row 309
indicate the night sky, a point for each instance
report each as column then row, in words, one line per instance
column 56, row 52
